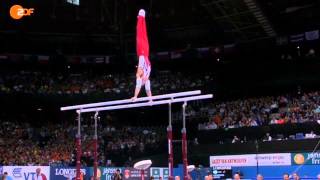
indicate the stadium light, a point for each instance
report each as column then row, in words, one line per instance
column 74, row 2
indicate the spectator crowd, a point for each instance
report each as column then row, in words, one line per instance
column 22, row 144
column 87, row 83
column 263, row 111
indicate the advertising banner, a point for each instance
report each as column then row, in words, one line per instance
column 278, row 159
column 133, row 174
column 306, row 158
column 158, row 172
column 307, row 172
column 108, row 172
column 67, row 173
column 221, row 172
column 27, row 172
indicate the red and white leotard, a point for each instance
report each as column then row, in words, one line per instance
column 143, row 45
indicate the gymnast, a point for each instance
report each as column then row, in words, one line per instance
column 144, row 66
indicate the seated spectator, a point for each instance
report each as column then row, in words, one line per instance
column 212, row 125
column 267, row 137
column 259, row 177
column 296, row 176
column 6, row 176
column 209, row 177
column 286, row 176
column 236, row 176
column 235, row 139
column 195, row 142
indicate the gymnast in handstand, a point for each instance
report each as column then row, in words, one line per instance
column 144, row 66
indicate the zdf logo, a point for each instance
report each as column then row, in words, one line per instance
column 17, row 11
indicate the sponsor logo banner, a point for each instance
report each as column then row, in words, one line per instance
column 64, row 173
column 109, row 172
column 221, row 172
column 27, row 172
column 306, row 158
column 279, row 159
column 133, row 174
column 158, row 172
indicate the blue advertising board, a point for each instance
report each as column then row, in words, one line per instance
column 67, row 173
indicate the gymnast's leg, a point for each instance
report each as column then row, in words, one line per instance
column 147, row 86
column 139, row 76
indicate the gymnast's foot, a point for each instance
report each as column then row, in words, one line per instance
column 134, row 98
column 149, row 94
column 150, row 102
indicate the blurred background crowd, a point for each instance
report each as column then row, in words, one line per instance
column 54, row 143
column 46, row 83
column 22, row 144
